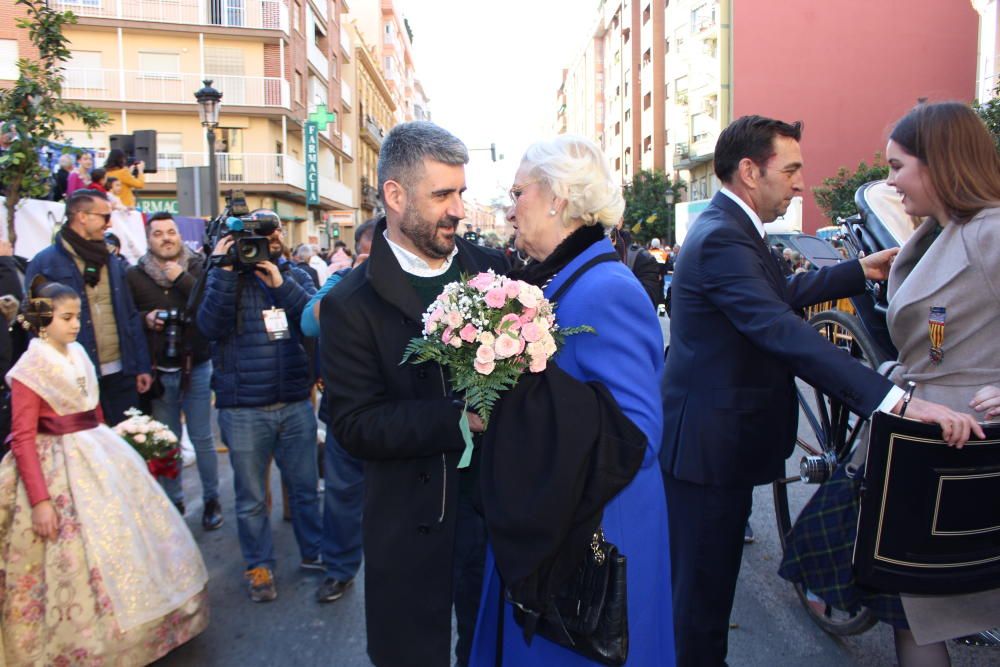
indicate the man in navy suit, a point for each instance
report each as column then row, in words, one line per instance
column 736, row 344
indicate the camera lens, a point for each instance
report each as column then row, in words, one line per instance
column 249, row 252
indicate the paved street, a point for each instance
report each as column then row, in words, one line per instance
column 770, row 627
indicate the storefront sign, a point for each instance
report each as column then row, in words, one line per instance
column 312, row 164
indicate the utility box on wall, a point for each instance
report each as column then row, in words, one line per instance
column 194, row 192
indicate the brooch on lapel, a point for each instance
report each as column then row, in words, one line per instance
column 935, row 328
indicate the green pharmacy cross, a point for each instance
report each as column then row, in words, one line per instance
column 322, row 117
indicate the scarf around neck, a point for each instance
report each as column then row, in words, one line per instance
column 538, row 273
column 151, row 266
column 93, row 253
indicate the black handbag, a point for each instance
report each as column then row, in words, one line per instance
column 589, row 615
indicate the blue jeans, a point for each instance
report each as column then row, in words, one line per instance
column 196, row 404
column 343, row 501
column 288, row 434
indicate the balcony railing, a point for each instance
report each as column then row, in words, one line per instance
column 261, row 14
column 345, row 42
column 267, row 168
column 318, row 60
column 251, row 168
column 345, row 93
column 172, row 87
column 347, row 145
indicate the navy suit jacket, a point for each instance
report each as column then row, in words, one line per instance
column 736, row 344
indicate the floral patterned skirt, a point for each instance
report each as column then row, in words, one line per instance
column 59, row 600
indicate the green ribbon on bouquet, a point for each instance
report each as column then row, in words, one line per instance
column 463, row 426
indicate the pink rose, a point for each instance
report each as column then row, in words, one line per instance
column 537, row 364
column 431, row 325
column 482, row 281
column 454, row 319
column 485, row 354
column 484, row 369
column 520, row 345
column 506, row 346
column 455, row 342
column 528, row 315
column 532, row 332
column 487, row 339
column 509, row 322
column 496, row 298
column 513, row 288
column 447, row 335
column 527, row 297
column 468, row 333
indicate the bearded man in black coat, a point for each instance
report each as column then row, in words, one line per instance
column 424, row 538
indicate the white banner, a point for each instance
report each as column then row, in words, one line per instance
column 37, row 220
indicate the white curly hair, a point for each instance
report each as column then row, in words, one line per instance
column 575, row 169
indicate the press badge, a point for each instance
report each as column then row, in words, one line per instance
column 276, row 324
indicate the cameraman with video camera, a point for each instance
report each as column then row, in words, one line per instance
column 262, row 379
column 161, row 283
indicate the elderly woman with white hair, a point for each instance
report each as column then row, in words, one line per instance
column 565, row 202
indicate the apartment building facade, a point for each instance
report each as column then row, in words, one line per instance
column 376, row 116
column 275, row 62
column 676, row 72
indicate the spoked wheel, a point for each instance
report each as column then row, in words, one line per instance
column 835, row 430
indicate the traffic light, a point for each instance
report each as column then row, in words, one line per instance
column 493, row 152
column 336, row 230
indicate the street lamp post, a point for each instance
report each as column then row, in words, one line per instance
column 209, row 104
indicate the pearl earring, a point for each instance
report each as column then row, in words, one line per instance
column 552, row 211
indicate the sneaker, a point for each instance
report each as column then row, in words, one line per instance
column 212, row 519
column 748, row 537
column 332, row 589
column 261, row 584
column 313, row 564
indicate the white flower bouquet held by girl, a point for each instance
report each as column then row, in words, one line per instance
column 487, row 330
column 154, row 441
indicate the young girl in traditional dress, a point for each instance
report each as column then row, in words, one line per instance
column 96, row 566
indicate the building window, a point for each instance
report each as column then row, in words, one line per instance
column 297, row 91
column 169, row 150
column 618, row 164
column 618, row 128
column 628, row 115
column 647, row 57
column 647, row 101
column 8, row 59
column 155, row 63
column 645, row 15
column 333, row 66
column 83, row 71
column 647, row 143
column 297, row 17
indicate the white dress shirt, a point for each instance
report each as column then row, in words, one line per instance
column 890, row 400
column 414, row 265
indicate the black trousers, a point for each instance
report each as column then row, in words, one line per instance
column 470, row 557
column 706, row 547
column 118, row 394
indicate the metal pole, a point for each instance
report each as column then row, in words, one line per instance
column 213, row 173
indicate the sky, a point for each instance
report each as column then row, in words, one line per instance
column 491, row 70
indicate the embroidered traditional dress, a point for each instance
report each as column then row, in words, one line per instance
column 124, row 582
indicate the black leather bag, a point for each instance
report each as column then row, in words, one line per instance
column 589, row 615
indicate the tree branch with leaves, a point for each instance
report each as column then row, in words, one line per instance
column 649, row 206
column 33, row 108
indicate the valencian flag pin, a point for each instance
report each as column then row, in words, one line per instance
column 935, row 327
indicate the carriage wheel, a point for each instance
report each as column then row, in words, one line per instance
column 834, row 432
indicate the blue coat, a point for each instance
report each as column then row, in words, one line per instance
column 626, row 355
column 248, row 369
column 57, row 265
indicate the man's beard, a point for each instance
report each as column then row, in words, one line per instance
column 176, row 254
column 423, row 233
column 276, row 255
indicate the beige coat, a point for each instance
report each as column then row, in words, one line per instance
column 960, row 270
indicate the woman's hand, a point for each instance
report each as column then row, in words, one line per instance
column 987, row 400
column 44, row 520
column 475, row 422
column 956, row 427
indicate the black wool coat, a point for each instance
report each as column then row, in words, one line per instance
column 401, row 420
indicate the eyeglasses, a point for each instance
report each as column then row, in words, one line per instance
column 106, row 216
column 515, row 191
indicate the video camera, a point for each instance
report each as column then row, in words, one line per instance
column 249, row 230
column 174, row 320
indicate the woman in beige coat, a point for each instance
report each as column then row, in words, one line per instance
column 944, row 163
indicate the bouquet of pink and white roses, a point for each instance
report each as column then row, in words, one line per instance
column 488, row 330
column 154, row 441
